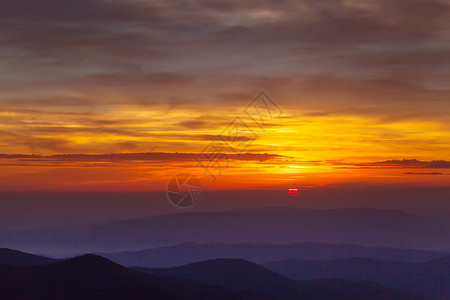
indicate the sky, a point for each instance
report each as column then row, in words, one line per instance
column 118, row 95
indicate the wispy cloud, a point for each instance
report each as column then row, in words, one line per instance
column 406, row 163
column 421, row 173
column 145, row 157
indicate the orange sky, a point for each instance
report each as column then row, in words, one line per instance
column 363, row 88
column 302, row 148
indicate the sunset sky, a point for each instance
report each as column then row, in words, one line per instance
column 118, row 95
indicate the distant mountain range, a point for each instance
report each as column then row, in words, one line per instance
column 262, row 252
column 93, row 277
column 24, row 276
column 367, row 227
column 238, row 274
column 432, row 277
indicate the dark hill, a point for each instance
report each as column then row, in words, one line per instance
column 432, row 277
column 94, row 277
column 238, row 274
column 15, row 257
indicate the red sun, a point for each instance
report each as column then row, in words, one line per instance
column 292, row 191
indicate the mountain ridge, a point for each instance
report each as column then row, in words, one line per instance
column 240, row 274
column 366, row 227
column 189, row 252
column 16, row 257
column 431, row 277
column 93, row 277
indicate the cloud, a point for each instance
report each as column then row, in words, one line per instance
column 33, row 143
column 416, row 173
column 409, row 163
column 148, row 157
column 91, row 53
